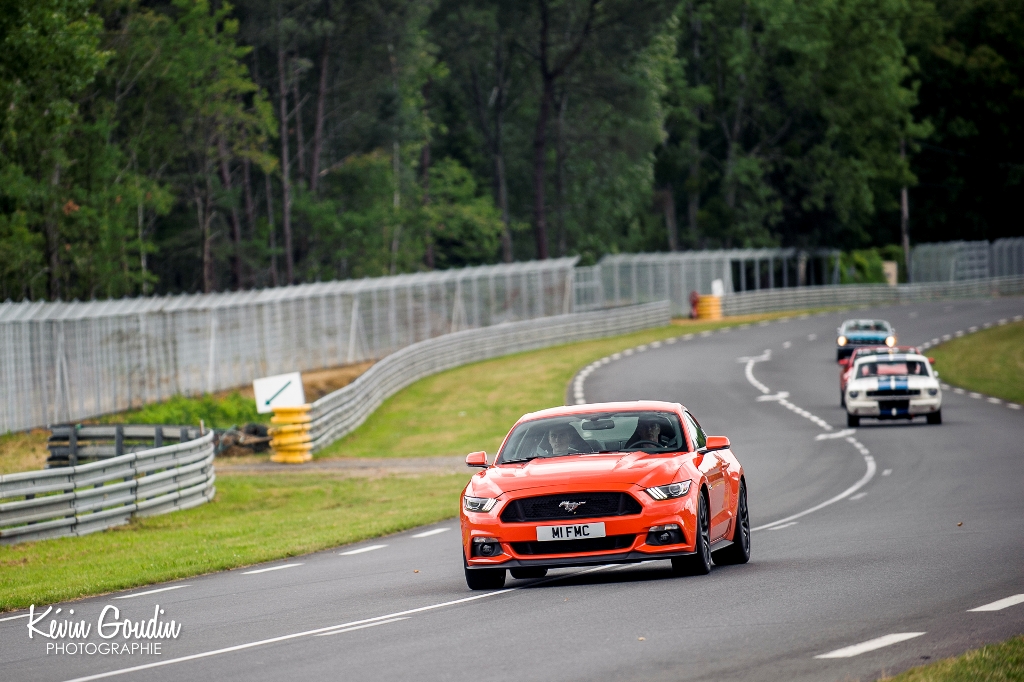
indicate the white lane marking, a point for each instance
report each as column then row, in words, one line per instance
column 887, row 472
column 787, row 344
column 975, row 395
column 306, row 633
column 959, row 333
column 1013, row 406
column 946, row 337
column 360, row 627
column 749, row 370
column 428, row 533
column 142, row 594
column 1001, row 604
column 272, row 568
column 858, row 496
column 775, row 397
column 361, row 550
column 868, row 475
column 838, row 434
column 812, row 337
column 871, row 645
column 935, row 342
column 24, row 615
column 707, row 333
column 972, row 329
column 995, row 401
column 686, row 337
column 1018, row 318
column 785, row 525
column 959, row 391
column 1002, row 322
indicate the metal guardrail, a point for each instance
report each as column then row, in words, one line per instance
column 301, row 431
column 866, row 294
column 73, row 444
column 78, row 500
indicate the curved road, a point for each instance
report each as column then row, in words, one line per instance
column 890, row 536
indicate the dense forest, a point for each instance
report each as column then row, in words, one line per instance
column 187, row 145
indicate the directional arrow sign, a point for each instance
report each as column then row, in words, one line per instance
column 283, row 390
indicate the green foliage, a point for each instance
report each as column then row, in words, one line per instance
column 215, row 412
column 861, row 267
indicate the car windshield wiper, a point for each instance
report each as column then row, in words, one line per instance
column 522, row 459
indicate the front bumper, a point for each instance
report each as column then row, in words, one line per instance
column 894, row 409
column 681, row 511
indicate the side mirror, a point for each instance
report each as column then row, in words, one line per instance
column 476, row 459
column 717, row 443
column 845, row 362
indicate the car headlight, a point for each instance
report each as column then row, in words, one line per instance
column 890, row 341
column 479, row 504
column 854, row 394
column 933, row 391
column 841, row 340
column 670, row 491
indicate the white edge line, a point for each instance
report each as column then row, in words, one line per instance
column 428, row 533
column 361, row 550
column 871, row 645
column 24, row 615
column 1000, row 605
column 272, row 568
column 142, row 594
column 306, row 633
column 360, row 627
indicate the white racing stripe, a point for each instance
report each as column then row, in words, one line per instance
column 428, row 533
column 143, row 594
column 272, row 568
column 391, row 617
column 361, row 550
column 360, row 627
column 871, row 645
column 1001, row 604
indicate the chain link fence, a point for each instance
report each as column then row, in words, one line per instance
column 959, row 261
column 63, row 362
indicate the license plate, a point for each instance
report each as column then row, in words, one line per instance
column 576, row 531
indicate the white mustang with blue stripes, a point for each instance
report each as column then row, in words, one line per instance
column 893, row 386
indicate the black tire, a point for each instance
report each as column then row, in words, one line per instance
column 528, row 572
column 852, row 420
column 698, row 563
column 739, row 551
column 485, row 578
column 935, row 417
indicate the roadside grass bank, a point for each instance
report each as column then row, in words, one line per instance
column 472, row 407
column 253, row 519
column 1002, row 662
column 989, row 361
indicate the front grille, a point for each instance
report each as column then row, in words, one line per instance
column 886, row 407
column 546, row 507
column 610, row 543
column 892, row 393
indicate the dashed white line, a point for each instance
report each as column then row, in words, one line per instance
column 871, row 645
column 272, row 568
column 787, row 344
column 142, row 594
column 975, row 395
column 785, row 525
column 995, row 401
column 1013, row 406
column 428, row 533
column 887, row 472
column 361, row 550
column 1001, row 604
column 360, row 627
column 812, row 337
column 858, row 496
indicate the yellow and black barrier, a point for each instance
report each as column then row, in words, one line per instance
column 290, row 437
column 709, row 308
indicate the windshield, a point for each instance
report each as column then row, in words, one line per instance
column 892, row 369
column 593, row 433
column 867, row 326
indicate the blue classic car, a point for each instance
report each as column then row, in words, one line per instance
column 853, row 333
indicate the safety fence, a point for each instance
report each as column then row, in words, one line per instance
column 867, row 294
column 300, row 431
column 82, row 499
column 71, row 361
column 960, row 260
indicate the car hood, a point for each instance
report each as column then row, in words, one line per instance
column 583, row 470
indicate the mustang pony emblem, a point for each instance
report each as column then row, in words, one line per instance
column 570, row 506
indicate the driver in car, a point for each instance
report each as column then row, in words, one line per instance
column 649, row 431
column 560, row 439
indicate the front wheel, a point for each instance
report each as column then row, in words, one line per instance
column 935, row 417
column 698, row 563
column 852, row 420
column 739, row 551
column 485, row 578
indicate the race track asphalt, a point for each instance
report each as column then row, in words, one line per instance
column 887, row 557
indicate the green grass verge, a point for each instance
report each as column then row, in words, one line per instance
column 252, row 519
column 472, row 407
column 217, row 412
column 989, row 361
column 994, row 663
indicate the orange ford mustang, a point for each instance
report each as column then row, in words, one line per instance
column 604, row 483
